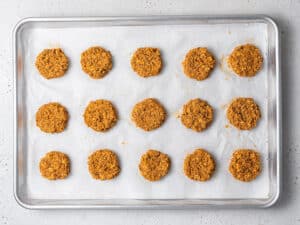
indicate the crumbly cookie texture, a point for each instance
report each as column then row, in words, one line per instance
column 148, row 114
column 199, row 165
column 198, row 63
column 243, row 113
column 146, row 62
column 100, row 115
column 96, row 62
column 154, row 165
column 245, row 164
column 52, row 63
column 245, row 60
column 52, row 117
column 103, row 164
column 55, row 165
column 197, row 115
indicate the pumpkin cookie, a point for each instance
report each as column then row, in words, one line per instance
column 197, row 115
column 146, row 62
column 52, row 63
column 103, row 164
column 100, row 115
column 245, row 165
column 55, row 165
column 243, row 113
column 154, row 165
column 198, row 63
column 245, row 60
column 199, row 165
column 96, row 62
column 148, row 114
column 52, row 118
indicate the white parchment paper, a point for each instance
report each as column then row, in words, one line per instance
column 124, row 88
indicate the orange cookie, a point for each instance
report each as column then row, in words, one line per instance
column 245, row 60
column 52, row 63
column 103, row 164
column 245, row 165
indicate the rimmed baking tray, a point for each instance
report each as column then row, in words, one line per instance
column 174, row 35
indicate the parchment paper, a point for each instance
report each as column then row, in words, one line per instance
column 124, row 88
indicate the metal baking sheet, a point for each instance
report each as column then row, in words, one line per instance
column 174, row 36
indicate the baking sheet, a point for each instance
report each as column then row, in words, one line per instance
column 124, row 88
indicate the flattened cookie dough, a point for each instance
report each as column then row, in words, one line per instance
column 245, row 60
column 197, row 115
column 146, row 62
column 245, row 165
column 199, row 165
column 55, row 165
column 154, row 165
column 100, row 115
column 52, row 117
column 198, row 63
column 52, row 63
column 103, row 164
column 243, row 113
column 96, row 62
column 148, row 114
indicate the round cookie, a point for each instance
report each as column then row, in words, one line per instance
column 52, row 63
column 243, row 113
column 245, row 165
column 100, row 115
column 148, row 114
column 199, row 165
column 103, row 164
column 245, row 60
column 154, row 165
column 146, row 62
column 198, row 63
column 52, row 117
column 96, row 62
column 55, row 165
column 197, row 115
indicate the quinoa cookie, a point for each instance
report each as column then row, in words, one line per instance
column 243, row 113
column 199, row 165
column 55, row 165
column 245, row 165
column 100, row 115
column 52, row 118
column 146, row 62
column 96, row 62
column 148, row 114
column 154, row 165
column 103, row 164
column 197, row 115
column 245, row 60
column 198, row 63
column 52, row 63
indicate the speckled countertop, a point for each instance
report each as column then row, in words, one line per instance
column 285, row 12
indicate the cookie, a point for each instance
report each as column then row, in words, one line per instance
column 52, row 63
column 52, row 117
column 148, row 114
column 197, row 115
column 55, row 165
column 243, row 113
column 146, row 62
column 245, row 60
column 198, row 63
column 96, row 62
column 154, row 165
column 245, row 165
column 199, row 165
column 100, row 115
column 103, row 164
